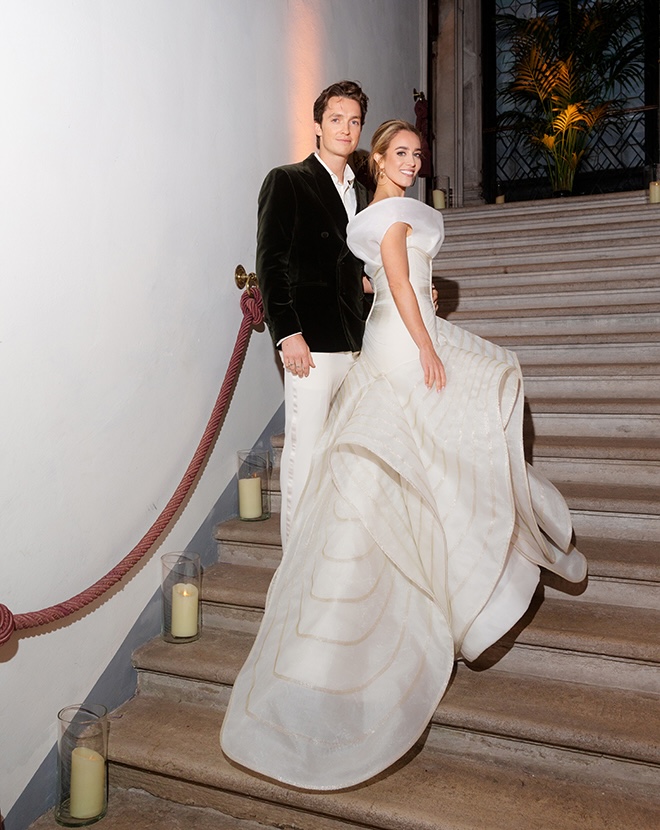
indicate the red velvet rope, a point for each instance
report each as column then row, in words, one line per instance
column 253, row 315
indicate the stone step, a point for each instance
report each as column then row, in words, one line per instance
column 630, row 559
column 490, row 261
column 614, row 524
column 595, row 644
column 642, row 271
column 638, row 225
column 253, row 543
column 631, row 407
column 172, row 750
column 589, row 471
column 578, row 339
column 604, row 322
column 452, row 275
column 637, row 385
column 610, row 498
column 639, row 353
column 590, row 425
column 131, row 809
column 606, row 636
column 483, row 234
column 580, row 717
column 569, row 248
column 604, row 207
column 598, row 460
column 608, row 447
column 480, row 300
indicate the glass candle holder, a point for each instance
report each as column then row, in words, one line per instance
column 82, row 751
column 181, row 584
column 253, row 485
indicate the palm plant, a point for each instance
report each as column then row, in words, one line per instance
column 571, row 68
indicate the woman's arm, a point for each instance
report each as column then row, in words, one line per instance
column 394, row 253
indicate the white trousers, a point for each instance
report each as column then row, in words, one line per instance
column 306, row 406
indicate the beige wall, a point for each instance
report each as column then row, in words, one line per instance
column 135, row 134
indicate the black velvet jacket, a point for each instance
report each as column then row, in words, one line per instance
column 310, row 281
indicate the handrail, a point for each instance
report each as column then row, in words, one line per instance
column 253, row 315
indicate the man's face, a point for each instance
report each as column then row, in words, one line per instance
column 340, row 127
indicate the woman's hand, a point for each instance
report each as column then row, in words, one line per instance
column 434, row 370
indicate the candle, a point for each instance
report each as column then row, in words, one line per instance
column 87, row 783
column 249, row 497
column 439, row 201
column 185, row 609
column 654, row 193
column 499, row 199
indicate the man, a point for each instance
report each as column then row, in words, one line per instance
column 311, row 283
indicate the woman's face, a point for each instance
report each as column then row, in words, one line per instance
column 402, row 159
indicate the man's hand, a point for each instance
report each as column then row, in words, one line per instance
column 296, row 356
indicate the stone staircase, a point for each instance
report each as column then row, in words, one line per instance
column 557, row 727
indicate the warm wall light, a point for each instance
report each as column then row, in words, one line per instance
column 305, row 48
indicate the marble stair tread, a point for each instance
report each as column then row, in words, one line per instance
column 557, row 286
column 603, row 447
column 266, row 532
column 591, row 370
column 596, row 406
column 590, row 628
column 630, row 559
column 614, row 722
column 501, row 246
column 487, row 262
column 610, row 498
column 215, row 657
column 559, row 311
column 234, row 584
column 430, row 789
column 617, row 722
column 633, row 292
column 596, row 205
column 131, row 809
column 585, row 627
column 626, row 228
column 512, row 341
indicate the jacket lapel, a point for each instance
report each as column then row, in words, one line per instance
column 326, row 191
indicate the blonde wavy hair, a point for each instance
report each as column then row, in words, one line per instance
column 384, row 136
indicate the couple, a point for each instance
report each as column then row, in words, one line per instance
column 420, row 530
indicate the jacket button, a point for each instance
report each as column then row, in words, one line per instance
column 324, row 234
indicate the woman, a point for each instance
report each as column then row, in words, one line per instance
column 419, row 534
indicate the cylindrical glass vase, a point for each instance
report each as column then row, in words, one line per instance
column 181, row 585
column 82, row 751
column 253, row 485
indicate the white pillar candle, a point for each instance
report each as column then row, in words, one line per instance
column 654, row 193
column 249, row 497
column 499, row 199
column 185, row 610
column 439, row 201
column 87, row 783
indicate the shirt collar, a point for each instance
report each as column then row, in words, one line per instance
column 349, row 175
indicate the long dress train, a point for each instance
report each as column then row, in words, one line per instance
column 418, row 538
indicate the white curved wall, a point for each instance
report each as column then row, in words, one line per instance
column 135, row 135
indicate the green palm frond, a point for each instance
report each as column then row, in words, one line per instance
column 568, row 69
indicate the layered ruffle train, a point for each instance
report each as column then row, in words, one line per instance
column 418, row 538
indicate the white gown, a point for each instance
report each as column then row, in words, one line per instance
column 418, row 538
